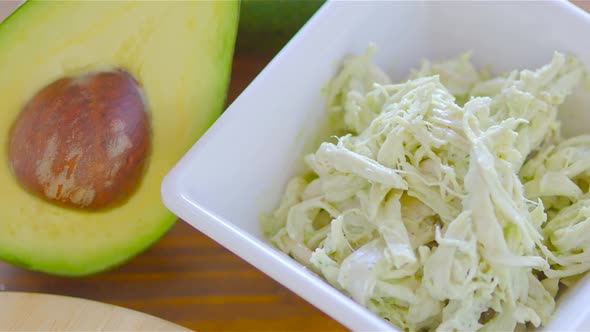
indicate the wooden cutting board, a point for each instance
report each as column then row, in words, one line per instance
column 44, row 312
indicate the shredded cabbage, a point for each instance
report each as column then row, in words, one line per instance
column 451, row 202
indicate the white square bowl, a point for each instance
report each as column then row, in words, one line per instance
column 239, row 168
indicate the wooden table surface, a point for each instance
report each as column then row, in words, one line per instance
column 186, row 277
column 189, row 279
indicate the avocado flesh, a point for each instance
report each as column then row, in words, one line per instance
column 180, row 52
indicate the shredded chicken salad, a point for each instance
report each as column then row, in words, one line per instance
column 451, row 201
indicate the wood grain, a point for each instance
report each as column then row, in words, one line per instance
column 584, row 4
column 190, row 280
column 187, row 278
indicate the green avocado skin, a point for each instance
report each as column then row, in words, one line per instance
column 267, row 25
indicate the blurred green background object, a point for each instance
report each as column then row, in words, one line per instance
column 267, row 25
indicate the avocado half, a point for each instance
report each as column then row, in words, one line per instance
column 179, row 52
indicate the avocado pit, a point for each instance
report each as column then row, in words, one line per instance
column 82, row 141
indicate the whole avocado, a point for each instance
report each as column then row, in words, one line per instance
column 267, row 25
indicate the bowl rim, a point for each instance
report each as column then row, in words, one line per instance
column 302, row 282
